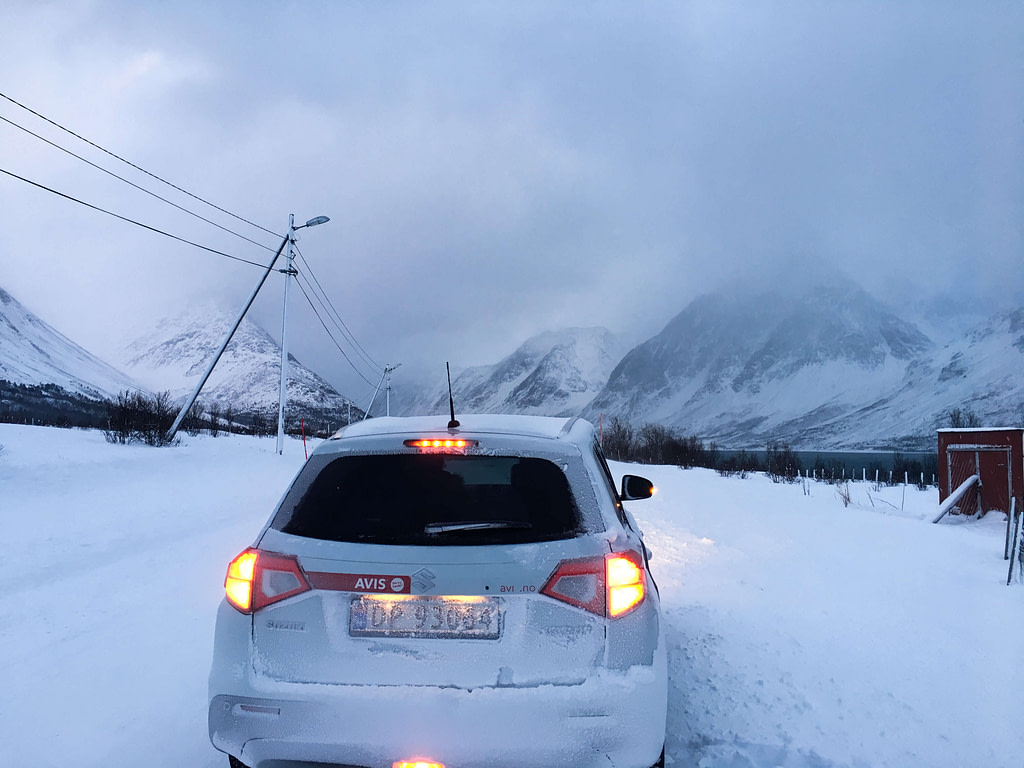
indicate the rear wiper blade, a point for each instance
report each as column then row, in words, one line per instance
column 479, row 525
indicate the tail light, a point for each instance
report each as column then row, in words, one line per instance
column 627, row 583
column 257, row 579
column 610, row 586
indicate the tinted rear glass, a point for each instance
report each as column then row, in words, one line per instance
column 432, row 499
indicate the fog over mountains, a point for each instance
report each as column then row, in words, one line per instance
column 821, row 367
column 826, row 366
column 809, row 368
column 32, row 353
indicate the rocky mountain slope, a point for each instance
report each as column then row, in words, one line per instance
column 552, row 374
column 174, row 354
column 829, row 367
column 33, row 353
column 744, row 369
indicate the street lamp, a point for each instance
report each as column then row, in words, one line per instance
column 288, row 271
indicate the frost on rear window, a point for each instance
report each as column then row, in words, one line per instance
column 432, row 499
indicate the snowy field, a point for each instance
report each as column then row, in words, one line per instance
column 802, row 633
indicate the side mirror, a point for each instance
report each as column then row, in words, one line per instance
column 635, row 487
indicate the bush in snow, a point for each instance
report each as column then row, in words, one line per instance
column 843, row 490
column 193, row 421
column 214, row 425
column 740, row 464
column 264, row 423
column 782, row 463
column 617, row 440
column 134, row 417
column 656, row 444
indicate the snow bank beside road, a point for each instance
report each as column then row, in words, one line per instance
column 113, row 561
column 801, row 633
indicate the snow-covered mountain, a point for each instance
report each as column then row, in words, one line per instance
column 174, row 354
column 830, row 367
column 34, row 353
column 979, row 370
column 551, row 374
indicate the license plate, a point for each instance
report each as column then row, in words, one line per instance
column 464, row 618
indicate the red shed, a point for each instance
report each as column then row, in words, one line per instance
column 996, row 455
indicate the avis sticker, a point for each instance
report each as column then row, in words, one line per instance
column 396, row 584
column 361, row 582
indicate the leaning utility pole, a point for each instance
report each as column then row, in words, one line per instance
column 227, row 340
column 289, row 271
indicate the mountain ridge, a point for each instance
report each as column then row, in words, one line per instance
column 35, row 353
column 175, row 353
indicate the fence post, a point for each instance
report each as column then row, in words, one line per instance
column 1009, row 528
column 1015, row 548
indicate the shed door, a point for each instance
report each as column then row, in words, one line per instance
column 992, row 463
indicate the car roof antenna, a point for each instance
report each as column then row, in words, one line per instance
column 453, row 424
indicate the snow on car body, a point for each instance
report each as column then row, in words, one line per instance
column 462, row 596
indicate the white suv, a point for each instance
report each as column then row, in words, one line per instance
column 435, row 595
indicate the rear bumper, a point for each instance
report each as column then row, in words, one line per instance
column 614, row 719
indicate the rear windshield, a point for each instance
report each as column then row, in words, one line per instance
column 432, row 499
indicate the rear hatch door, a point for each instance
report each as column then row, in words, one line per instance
column 462, row 616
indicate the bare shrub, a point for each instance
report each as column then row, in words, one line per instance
column 963, row 419
column 843, row 491
column 739, row 464
column 261, row 423
column 782, row 463
column 193, row 421
column 134, row 417
column 229, row 418
column 617, row 440
column 214, row 425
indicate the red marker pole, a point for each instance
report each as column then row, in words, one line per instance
column 302, row 426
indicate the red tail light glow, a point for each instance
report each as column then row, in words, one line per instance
column 611, row 586
column 440, row 444
column 257, row 579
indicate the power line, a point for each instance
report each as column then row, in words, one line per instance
column 136, row 167
column 347, row 359
column 130, row 221
column 343, row 336
column 346, row 332
column 133, row 184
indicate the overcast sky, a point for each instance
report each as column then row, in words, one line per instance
column 497, row 169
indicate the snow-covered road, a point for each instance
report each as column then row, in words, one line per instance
column 802, row 634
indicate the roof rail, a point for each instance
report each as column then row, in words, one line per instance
column 567, row 427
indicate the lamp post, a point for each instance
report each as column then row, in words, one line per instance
column 288, row 271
